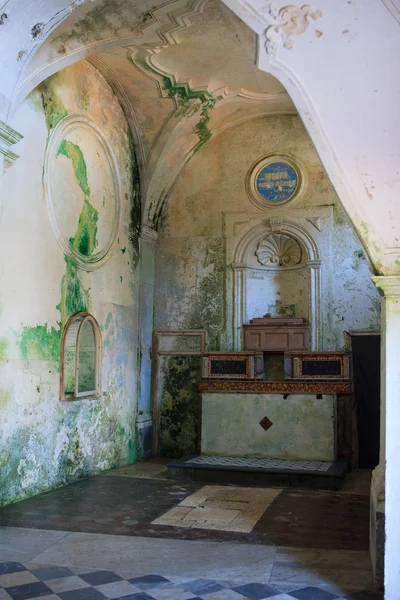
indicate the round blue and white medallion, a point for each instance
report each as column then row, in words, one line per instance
column 274, row 180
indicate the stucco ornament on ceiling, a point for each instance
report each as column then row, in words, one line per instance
column 279, row 250
column 287, row 22
column 81, row 186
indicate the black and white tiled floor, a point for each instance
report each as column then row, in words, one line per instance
column 262, row 463
column 20, row 582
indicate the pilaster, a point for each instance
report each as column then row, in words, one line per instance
column 385, row 486
column 8, row 137
column 148, row 241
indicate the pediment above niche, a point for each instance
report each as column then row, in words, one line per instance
column 279, row 250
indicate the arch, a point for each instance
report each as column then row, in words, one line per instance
column 240, row 268
column 304, row 48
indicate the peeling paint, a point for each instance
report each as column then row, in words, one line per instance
column 45, row 443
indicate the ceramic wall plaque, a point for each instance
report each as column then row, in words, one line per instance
column 274, row 180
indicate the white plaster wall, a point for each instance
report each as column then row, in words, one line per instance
column 45, row 442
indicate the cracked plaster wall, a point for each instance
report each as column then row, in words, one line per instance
column 44, row 442
column 191, row 266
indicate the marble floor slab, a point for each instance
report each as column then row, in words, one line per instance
column 193, row 558
column 20, row 544
column 347, row 578
column 29, row 581
column 220, row 508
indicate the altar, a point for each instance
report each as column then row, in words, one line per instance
column 293, row 418
column 268, row 425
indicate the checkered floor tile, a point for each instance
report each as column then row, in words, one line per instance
column 20, row 582
column 262, row 463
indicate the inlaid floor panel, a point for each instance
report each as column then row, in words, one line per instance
column 221, row 508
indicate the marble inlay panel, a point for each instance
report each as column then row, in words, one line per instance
column 221, row 508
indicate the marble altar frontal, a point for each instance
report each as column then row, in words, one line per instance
column 303, row 426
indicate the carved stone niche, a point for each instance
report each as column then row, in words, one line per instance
column 279, row 250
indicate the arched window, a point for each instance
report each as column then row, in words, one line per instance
column 80, row 358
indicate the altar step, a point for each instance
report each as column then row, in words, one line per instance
column 260, row 471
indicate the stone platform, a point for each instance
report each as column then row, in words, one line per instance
column 260, row 471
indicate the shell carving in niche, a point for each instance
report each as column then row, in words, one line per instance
column 279, row 251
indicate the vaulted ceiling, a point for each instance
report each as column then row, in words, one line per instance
column 183, row 70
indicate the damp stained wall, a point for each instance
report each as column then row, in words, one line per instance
column 193, row 268
column 61, row 198
column 191, row 265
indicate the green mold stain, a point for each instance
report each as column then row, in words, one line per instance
column 41, row 342
column 281, row 310
column 185, row 97
column 54, row 109
column 120, row 278
column 109, row 320
column 123, row 250
column 358, row 257
column 136, row 209
column 179, row 407
column 208, row 308
column 74, row 298
column 5, row 398
column 75, row 154
column 3, row 348
column 85, row 239
column 5, row 456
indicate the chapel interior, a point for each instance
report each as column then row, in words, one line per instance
column 197, row 331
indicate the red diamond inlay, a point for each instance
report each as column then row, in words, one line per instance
column 266, row 423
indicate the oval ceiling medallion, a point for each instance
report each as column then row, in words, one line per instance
column 274, row 180
column 82, row 191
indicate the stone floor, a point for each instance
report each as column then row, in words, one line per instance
column 102, row 538
column 221, row 508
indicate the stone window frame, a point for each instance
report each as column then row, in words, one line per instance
column 82, row 318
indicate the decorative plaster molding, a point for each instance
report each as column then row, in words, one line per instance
column 8, row 137
column 289, row 21
column 390, row 286
column 394, row 7
column 316, row 221
column 64, row 128
column 276, row 224
column 148, row 234
column 279, row 250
